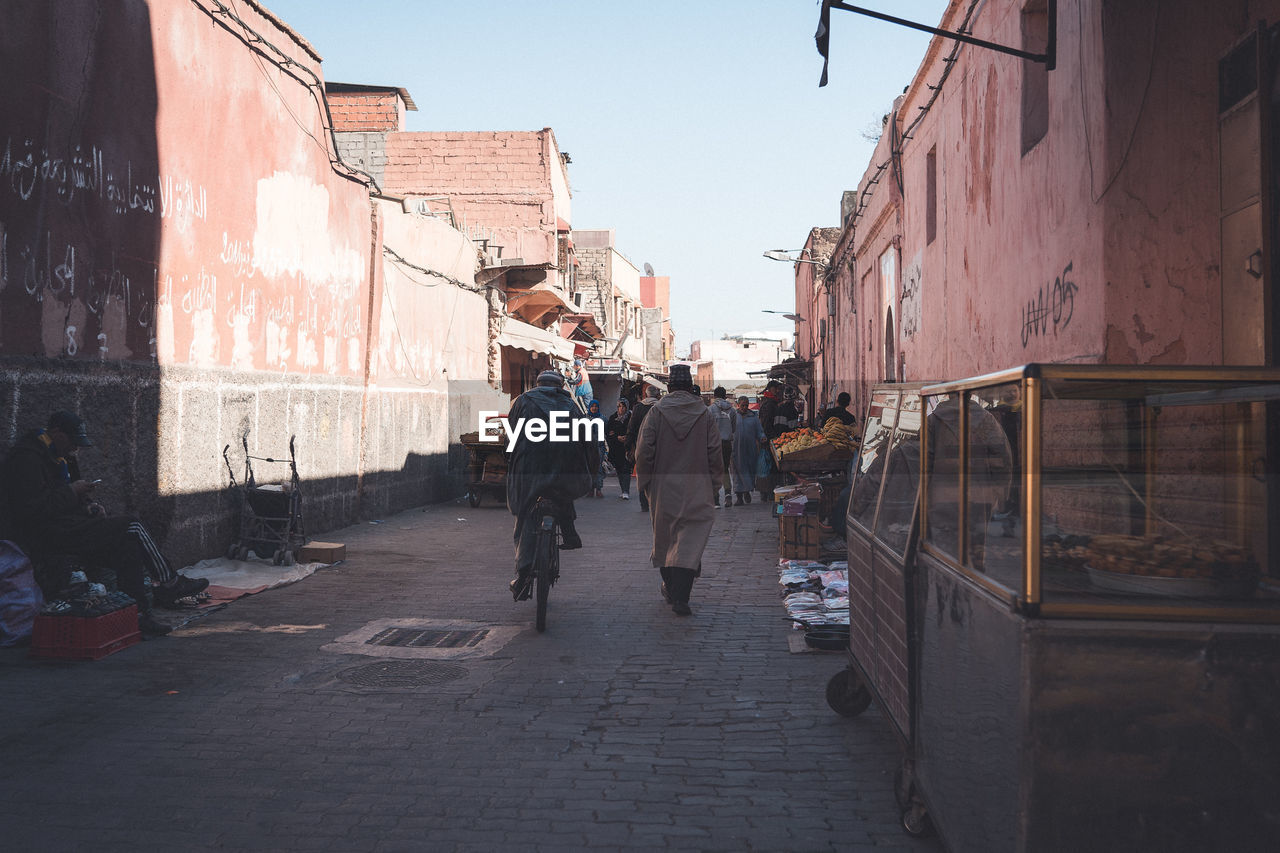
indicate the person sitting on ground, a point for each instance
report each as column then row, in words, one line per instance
column 558, row 471
column 54, row 513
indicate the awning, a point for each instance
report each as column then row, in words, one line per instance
column 523, row 336
column 536, row 301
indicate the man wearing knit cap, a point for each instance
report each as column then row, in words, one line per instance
column 559, row 471
column 678, row 461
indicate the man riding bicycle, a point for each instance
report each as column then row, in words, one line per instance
column 557, row 471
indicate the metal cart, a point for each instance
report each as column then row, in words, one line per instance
column 270, row 514
column 1073, row 619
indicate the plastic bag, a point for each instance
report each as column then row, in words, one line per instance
column 764, row 463
column 20, row 598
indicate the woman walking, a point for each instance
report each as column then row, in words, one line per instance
column 593, row 411
column 615, row 436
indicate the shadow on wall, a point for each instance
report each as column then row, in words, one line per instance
column 81, row 203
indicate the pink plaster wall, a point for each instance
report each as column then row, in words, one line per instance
column 181, row 260
column 1100, row 244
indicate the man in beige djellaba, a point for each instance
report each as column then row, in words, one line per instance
column 678, row 461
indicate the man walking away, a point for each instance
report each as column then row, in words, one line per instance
column 677, row 462
column 642, row 410
column 727, row 422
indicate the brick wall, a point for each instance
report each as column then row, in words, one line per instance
column 364, row 111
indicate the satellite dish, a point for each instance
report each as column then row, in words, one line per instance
column 648, row 270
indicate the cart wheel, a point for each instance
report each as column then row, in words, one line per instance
column 847, row 695
column 233, row 553
column 916, row 821
column 277, row 559
column 289, row 559
column 473, row 498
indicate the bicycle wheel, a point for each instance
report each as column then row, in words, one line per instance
column 543, row 569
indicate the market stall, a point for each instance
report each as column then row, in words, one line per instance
column 816, row 465
column 1077, row 635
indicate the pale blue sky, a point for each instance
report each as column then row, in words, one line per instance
column 697, row 129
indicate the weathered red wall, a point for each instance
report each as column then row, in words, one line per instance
column 1099, row 244
column 182, row 261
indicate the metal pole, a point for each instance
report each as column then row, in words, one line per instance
column 1012, row 51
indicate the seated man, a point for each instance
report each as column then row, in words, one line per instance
column 54, row 512
column 557, row 470
column 840, row 411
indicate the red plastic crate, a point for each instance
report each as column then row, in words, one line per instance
column 84, row 638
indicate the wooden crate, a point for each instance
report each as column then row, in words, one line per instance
column 798, row 537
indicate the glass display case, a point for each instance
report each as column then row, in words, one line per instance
column 1064, row 587
column 880, row 528
column 1108, row 492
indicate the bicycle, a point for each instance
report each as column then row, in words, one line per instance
column 546, row 560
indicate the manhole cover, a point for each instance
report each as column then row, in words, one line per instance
column 402, row 673
column 427, row 638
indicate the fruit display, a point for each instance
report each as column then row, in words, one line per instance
column 835, row 431
column 797, row 439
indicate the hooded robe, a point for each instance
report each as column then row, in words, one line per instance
column 563, row 470
column 677, row 462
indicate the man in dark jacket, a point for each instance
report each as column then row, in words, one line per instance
column 559, row 471
column 54, row 513
column 643, row 407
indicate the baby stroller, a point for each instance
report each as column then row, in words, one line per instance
column 270, row 514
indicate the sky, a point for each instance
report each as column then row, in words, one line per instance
column 696, row 129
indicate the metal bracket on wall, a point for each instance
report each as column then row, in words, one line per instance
column 1049, row 57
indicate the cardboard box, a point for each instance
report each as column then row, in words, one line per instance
column 321, row 552
column 798, row 537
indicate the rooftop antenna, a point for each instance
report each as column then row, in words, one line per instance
column 648, row 270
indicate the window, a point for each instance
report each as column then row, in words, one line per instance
column 1035, row 75
column 931, row 195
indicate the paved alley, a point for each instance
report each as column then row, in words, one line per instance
column 274, row 724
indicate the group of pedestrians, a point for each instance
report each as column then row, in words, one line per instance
column 673, row 445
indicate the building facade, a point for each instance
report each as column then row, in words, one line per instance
column 1115, row 209
column 191, row 283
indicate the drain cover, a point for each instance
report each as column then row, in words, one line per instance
column 420, row 638
column 402, row 673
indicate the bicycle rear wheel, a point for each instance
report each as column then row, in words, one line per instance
column 544, row 571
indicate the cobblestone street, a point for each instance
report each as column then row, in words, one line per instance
column 261, row 726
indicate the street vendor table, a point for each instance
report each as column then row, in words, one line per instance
column 1065, row 592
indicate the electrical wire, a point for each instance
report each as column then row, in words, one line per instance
column 286, row 64
column 400, row 261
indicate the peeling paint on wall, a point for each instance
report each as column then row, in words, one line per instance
column 911, row 280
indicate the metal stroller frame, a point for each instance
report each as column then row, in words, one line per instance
column 270, row 519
